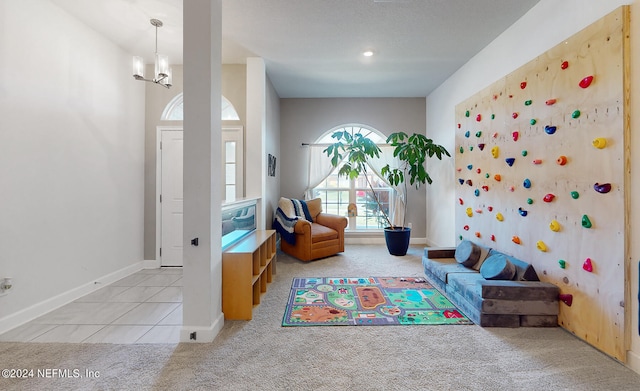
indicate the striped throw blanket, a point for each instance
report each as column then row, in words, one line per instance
column 287, row 215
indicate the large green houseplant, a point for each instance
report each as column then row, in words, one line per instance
column 412, row 153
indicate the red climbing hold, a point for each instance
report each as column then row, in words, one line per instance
column 489, row 208
column 466, row 227
column 586, row 82
column 550, row 102
column 523, row 85
column 515, row 136
column 548, row 198
column 564, row 65
column 485, row 188
column 479, row 117
column 460, row 201
column 493, row 238
column 587, row 265
column 514, row 115
column 566, row 298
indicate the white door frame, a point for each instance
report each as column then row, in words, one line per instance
column 159, row 130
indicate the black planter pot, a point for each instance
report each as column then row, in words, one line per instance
column 397, row 240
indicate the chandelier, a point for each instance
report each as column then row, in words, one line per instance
column 162, row 74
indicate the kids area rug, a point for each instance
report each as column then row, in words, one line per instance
column 373, row 301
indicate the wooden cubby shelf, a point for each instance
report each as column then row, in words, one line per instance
column 247, row 268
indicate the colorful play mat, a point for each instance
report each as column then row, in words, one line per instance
column 373, row 301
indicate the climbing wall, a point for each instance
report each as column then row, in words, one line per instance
column 541, row 160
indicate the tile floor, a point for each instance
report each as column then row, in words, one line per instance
column 145, row 307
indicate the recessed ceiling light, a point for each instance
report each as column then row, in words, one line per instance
column 367, row 53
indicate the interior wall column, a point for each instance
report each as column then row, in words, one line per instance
column 202, row 270
column 255, row 156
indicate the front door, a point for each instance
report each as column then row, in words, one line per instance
column 171, row 197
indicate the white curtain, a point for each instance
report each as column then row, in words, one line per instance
column 376, row 164
column 319, row 168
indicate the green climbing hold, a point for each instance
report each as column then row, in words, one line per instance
column 533, row 121
column 575, row 195
column 493, row 116
column 478, row 134
column 529, row 201
column 527, row 102
column 586, row 222
column 575, row 114
column 466, row 113
column 524, row 152
column 461, row 150
column 562, row 263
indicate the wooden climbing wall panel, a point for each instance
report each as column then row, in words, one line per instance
column 530, row 149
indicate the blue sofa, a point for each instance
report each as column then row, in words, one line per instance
column 492, row 288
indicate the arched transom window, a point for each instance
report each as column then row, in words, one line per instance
column 174, row 111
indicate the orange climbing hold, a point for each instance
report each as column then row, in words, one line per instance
column 516, row 239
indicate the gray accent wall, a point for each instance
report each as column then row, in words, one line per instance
column 305, row 120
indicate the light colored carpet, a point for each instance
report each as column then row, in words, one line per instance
column 262, row 355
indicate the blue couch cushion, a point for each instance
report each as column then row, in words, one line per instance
column 467, row 253
column 498, row 267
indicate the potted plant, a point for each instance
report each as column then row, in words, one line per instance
column 412, row 152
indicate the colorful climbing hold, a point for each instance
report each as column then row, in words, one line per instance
column 566, row 298
column 523, row 85
column 479, row 117
column 487, row 175
column 548, row 197
column 478, row 170
column 564, row 65
column 561, row 160
column 541, row 246
column 476, row 192
column 575, row 114
column 499, row 216
column 533, row 121
column 554, row 226
column 470, row 147
column 495, row 135
column 497, row 177
column 537, row 161
column 461, row 180
column 523, row 212
column 510, row 161
column 461, row 150
column 548, row 129
column 529, row 201
column 466, row 113
column 550, row 102
column 562, row 263
column 515, row 135
column 512, row 188
column 495, row 152
column 586, row 82
column 489, row 208
column 467, row 134
column 469, row 182
column 481, row 146
column 588, row 265
column 599, row 142
column 485, row 188
column 466, row 227
column 526, row 183
column 493, row 116
column 478, row 134
column 514, row 115
column 458, row 169
column 461, row 201
column 469, row 166
column 527, row 102
column 516, row 239
column 460, row 237
column 602, row 188
column 524, row 152
column 477, row 234
column 575, row 195
column 586, row 222
column 469, row 212
column 478, row 210
column 459, row 126
column 493, row 238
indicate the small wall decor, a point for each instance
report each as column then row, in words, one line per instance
column 272, row 165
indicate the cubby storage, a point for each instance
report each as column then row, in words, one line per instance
column 247, row 268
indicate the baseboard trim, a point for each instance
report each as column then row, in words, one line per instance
column 203, row 334
column 633, row 361
column 378, row 240
column 30, row 313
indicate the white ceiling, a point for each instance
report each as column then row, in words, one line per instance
column 313, row 48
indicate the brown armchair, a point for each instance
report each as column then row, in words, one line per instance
column 318, row 239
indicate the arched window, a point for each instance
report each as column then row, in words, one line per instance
column 338, row 193
column 174, row 110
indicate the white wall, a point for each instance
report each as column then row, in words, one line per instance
column 71, row 158
column 272, row 146
column 305, row 120
column 544, row 26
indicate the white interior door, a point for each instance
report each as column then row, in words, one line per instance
column 171, row 197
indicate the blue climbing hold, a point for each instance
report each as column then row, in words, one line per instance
column 510, row 161
column 549, row 129
column 526, row 183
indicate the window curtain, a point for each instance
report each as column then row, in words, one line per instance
column 376, row 164
column 319, row 168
